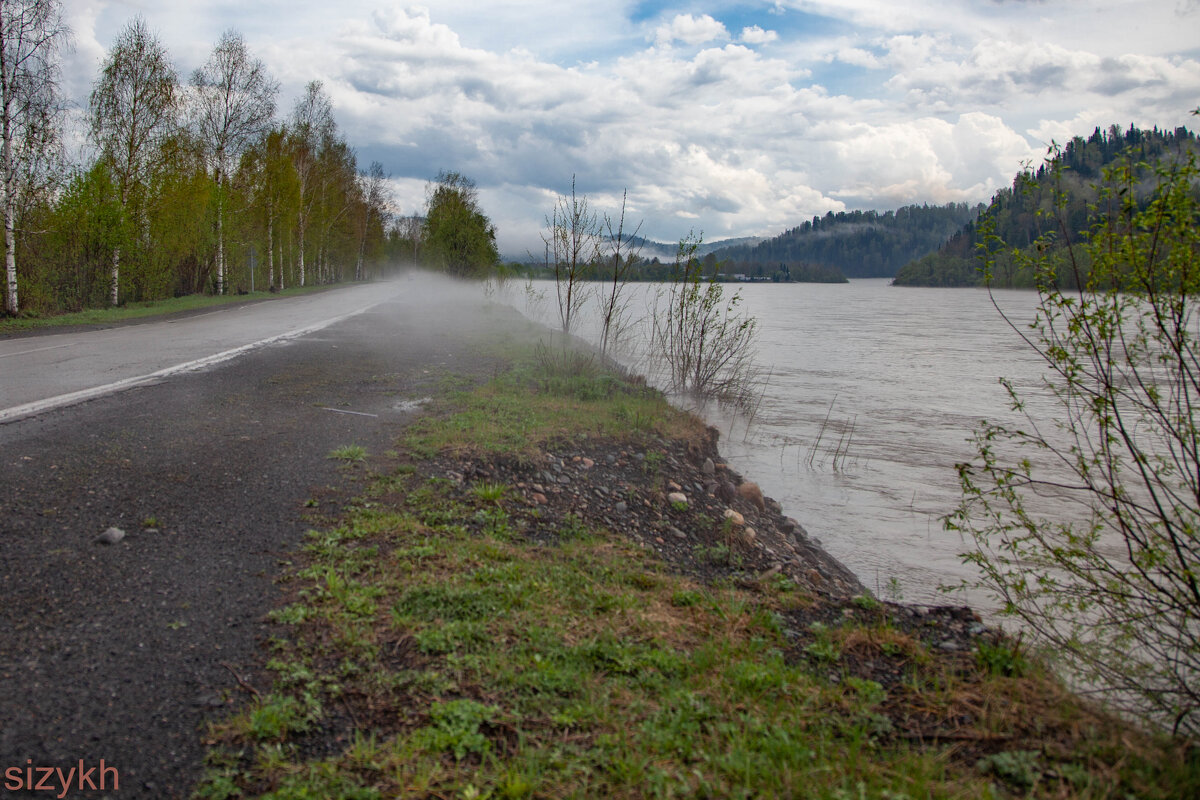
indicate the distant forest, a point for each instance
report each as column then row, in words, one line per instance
column 858, row 244
column 1025, row 212
column 657, row 270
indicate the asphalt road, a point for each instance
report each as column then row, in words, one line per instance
column 122, row 652
column 41, row 372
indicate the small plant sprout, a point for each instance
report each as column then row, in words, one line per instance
column 491, row 493
column 866, row 602
column 351, row 453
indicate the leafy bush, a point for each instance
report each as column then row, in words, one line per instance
column 705, row 344
column 1115, row 590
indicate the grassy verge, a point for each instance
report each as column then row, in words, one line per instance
column 150, row 308
column 450, row 637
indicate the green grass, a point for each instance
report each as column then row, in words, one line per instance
column 438, row 652
column 352, row 453
column 150, row 308
column 586, row 401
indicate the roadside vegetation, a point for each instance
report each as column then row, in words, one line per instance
column 695, row 339
column 1086, row 526
column 449, row 634
column 194, row 185
column 142, row 310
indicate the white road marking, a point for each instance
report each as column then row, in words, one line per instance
column 37, row 406
column 37, row 350
column 344, row 411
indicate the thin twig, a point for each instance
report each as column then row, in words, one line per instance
column 241, row 682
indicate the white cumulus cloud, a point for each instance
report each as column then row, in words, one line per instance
column 753, row 34
column 690, row 30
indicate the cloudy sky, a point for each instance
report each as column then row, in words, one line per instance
column 730, row 118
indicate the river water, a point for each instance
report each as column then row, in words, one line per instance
column 872, row 395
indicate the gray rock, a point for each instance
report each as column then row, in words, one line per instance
column 610, row 459
column 111, row 536
column 677, row 497
column 709, row 467
column 622, row 507
column 678, row 534
column 793, row 527
column 949, row 645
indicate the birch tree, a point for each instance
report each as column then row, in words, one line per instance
column 32, row 34
column 132, row 109
column 336, row 195
column 312, row 125
column 375, row 201
column 235, row 99
column 267, row 168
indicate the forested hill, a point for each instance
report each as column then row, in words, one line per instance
column 1014, row 211
column 862, row 244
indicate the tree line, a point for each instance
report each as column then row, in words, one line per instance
column 188, row 185
column 857, row 244
column 1058, row 199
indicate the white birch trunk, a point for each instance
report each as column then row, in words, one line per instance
column 220, row 242
column 300, row 234
column 10, row 214
column 270, row 251
column 116, row 276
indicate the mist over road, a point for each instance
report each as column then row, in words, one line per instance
column 42, row 372
column 122, row 652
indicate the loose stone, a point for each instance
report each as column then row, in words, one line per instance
column 111, row 536
column 677, row 497
column 751, row 492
